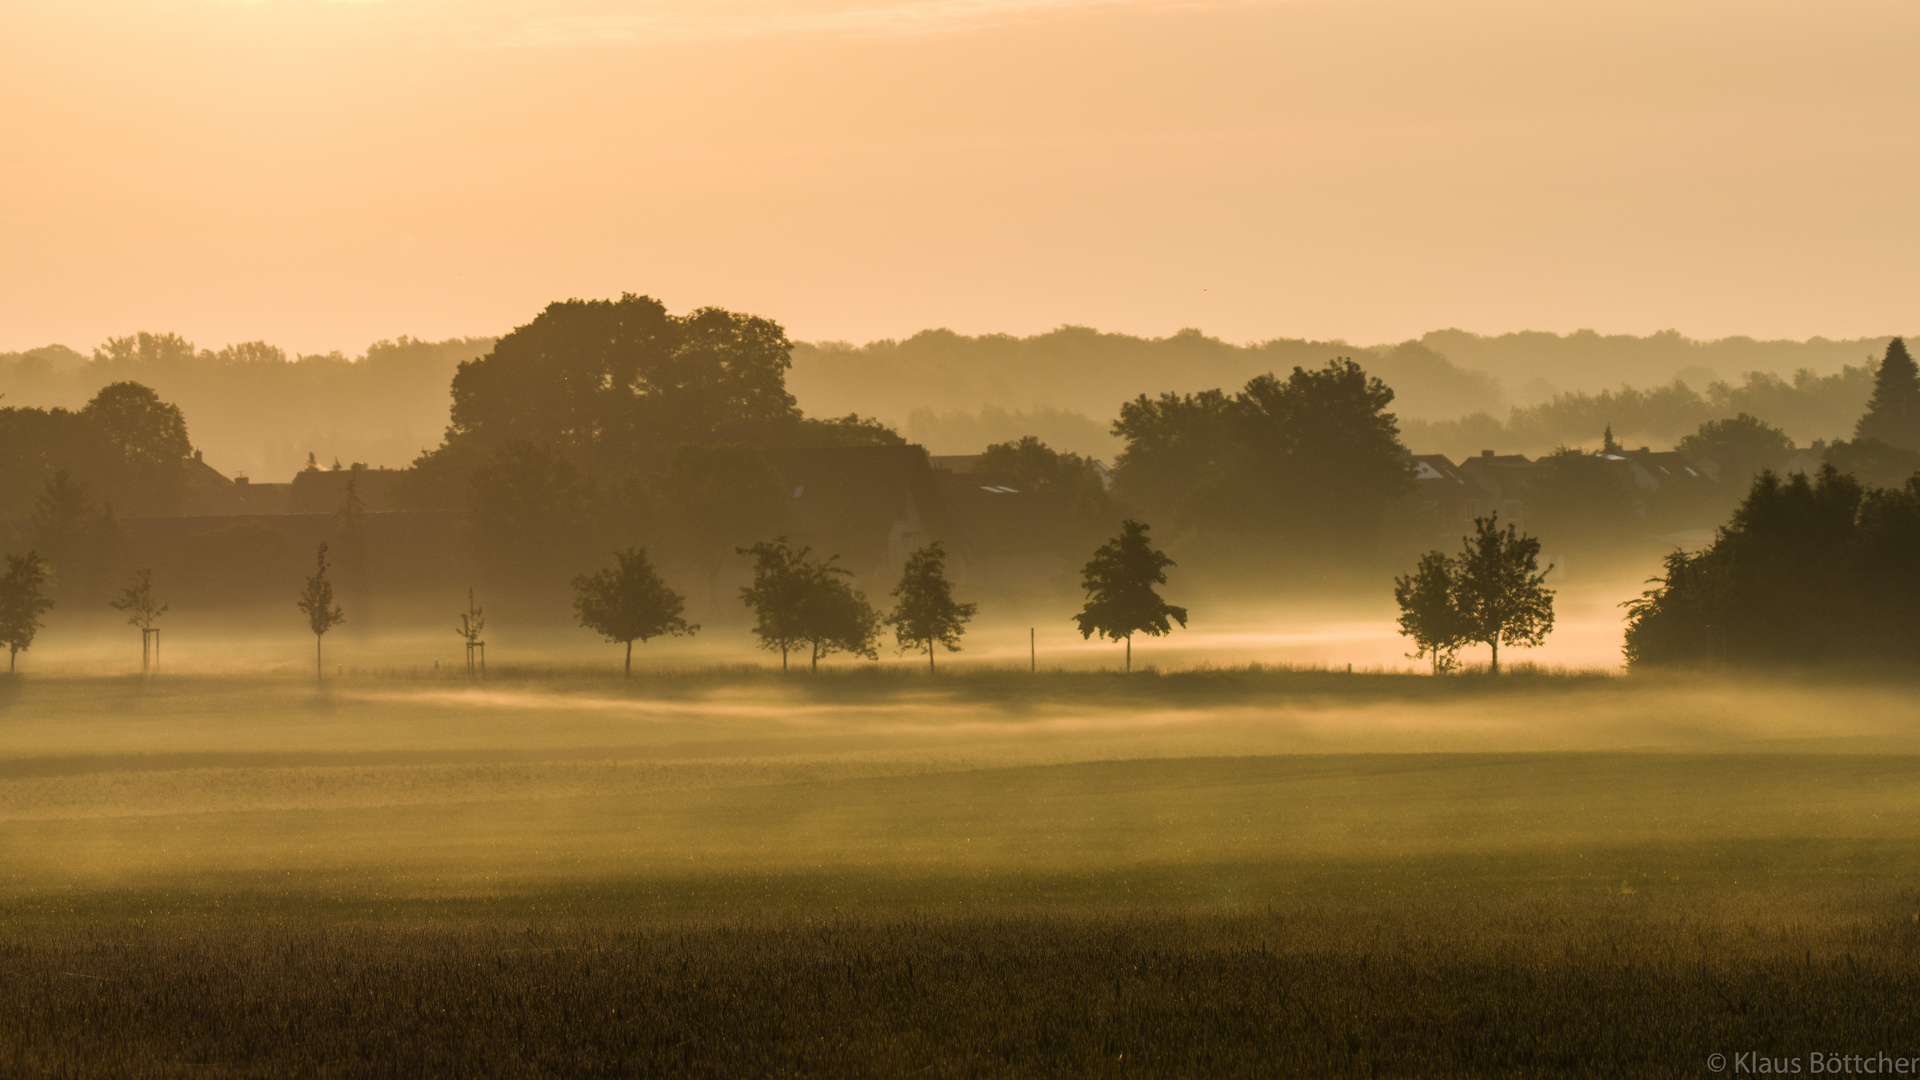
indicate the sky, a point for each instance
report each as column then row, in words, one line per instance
column 324, row 173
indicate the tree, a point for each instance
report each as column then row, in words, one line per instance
column 22, row 603
column 1741, row 447
column 720, row 497
column 628, row 602
column 1893, row 413
column 1121, row 600
column 1314, row 458
column 322, row 614
column 1430, row 610
column 530, row 514
column 927, row 614
column 143, row 611
column 798, row 600
column 1873, row 462
column 472, row 622
column 143, row 445
column 1500, row 590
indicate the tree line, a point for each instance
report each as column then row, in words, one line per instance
column 799, row 600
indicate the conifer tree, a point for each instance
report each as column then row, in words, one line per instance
column 1893, row 413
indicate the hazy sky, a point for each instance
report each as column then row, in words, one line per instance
column 323, row 173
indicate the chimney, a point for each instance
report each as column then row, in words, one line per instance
column 196, row 455
column 1818, row 445
column 1646, row 449
column 1486, row 453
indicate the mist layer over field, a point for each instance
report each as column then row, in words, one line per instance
column 440, row 788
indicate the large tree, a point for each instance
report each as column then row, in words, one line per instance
column 1121, row 600
column 628, row 602
column 615, row 385
column 927, row 614
column 1893, row 413
column 1740, row 448
column 1501, row 590
column 1314, row 459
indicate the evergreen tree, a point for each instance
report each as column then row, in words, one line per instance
column 927, row 614
column 322, row 613
column 1500, row 590
column 1893, row 413
column 1430, row 611
column 628, row 602
column 22, row 603
column 1119, row 582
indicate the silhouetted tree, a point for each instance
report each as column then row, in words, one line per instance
column 1314, row 458
column 1808, row 571
column 1872, row 462
column 1119, row 582
column 927, row 614
column 1740, row 448
column 322, row 613
column 142, row 610
column 1500, row 588
column 720, row 497
column 798, row 600
column 1893, row 413
column 143, row 447
column 1430, row 610
column 614, row 385
column 22, row 603
column 628, row 602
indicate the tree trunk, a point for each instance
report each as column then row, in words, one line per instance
column 319, row 665
column 783, row 659
column 1496, row 654
column 816, row 658
column 629, row 672
column 930, row 656
column 1129, row 654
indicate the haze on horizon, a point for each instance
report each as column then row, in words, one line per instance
column 324, row 174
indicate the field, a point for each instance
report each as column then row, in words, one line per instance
column 875, row 873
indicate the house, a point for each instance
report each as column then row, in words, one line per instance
column 324, row 491
column 211, row 494
column 1500, row 483
column 1447, row 498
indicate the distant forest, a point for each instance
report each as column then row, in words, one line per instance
column 259, row 411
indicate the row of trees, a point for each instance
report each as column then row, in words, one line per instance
column 803, row 602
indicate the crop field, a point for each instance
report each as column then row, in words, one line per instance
column 727, row 872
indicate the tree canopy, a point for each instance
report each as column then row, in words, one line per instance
column 1809, row 571
column 1315, row 458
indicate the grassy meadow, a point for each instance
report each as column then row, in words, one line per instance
column 875, row 873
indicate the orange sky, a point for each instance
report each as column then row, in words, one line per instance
column 322, row 174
